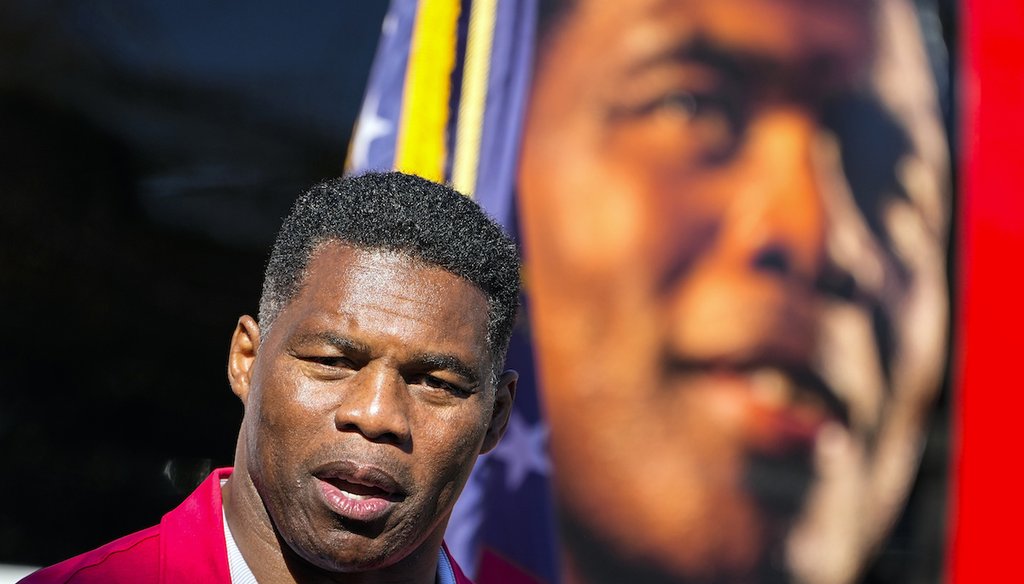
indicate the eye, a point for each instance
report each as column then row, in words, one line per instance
column 332, row 361
column 684, row 124
column 436, row 383
column 709, row 119
column 682, row 103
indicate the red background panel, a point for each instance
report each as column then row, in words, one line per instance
column 988, row 498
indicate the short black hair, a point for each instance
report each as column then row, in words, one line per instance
column 406, row 214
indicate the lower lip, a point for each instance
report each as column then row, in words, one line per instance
column 353, row 507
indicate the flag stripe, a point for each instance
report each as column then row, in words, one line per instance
column 421, row 139
column 474, row 95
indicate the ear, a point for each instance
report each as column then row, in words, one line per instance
column 244, row 343
column 504, row 395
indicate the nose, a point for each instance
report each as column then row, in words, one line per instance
column 775, row 220
column 374, row 403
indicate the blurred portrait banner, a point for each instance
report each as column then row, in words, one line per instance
column 735, row 222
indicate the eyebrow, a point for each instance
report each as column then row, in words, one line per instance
column 742, row 65
column 734, row 63
column 442, row 361
column 335, row 340
column 427, row 361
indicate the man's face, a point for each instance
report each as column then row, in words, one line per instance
column 735, row 257
column 368, row 403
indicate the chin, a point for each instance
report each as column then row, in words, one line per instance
column 591, row 559
column 741, row 540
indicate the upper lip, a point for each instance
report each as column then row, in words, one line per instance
column 803, row 377
column 355, row 473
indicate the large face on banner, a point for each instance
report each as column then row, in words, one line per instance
column 734, row 215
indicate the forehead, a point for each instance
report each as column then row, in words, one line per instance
column 388, row 295
column 782, row 31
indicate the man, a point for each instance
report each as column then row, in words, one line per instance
column 734, row 220
column 370, row 385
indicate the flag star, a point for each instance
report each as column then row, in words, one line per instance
column 523, row 450
column 389, row 26
column 370, row 127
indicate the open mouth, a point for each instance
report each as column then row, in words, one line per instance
column 358, row 492
column 778, row 408
column 776, row 385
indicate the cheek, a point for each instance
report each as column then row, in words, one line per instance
column 599, row 222
column 445, row 460
column 581, row 209
column 449, row 443
column 283, row 413
column 613, row 207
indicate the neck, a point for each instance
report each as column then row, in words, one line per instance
column 253, row 531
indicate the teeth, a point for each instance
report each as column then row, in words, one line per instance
column 356, row 491
column 771, row 387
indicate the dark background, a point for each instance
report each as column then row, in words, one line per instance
column 148, row 151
